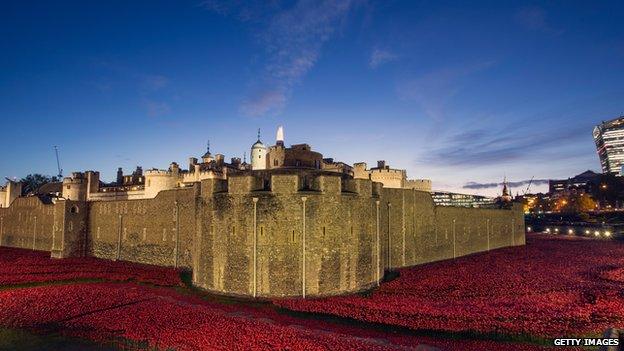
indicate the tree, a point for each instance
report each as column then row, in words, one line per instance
column 32, row 182
column 585, row 203
column 576, row 203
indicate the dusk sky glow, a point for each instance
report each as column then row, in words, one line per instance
column 463, row 94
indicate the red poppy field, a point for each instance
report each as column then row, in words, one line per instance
column 508, row 299
column 553, row 286
column 18, row 266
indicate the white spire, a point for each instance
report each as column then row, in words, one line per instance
column 280, row 134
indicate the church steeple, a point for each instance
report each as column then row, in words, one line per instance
column 505, row 190
column 506, row 197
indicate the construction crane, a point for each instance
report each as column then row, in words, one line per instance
column 58, row 164
column 529, row 186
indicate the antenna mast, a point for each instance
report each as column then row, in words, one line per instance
column 58, row 164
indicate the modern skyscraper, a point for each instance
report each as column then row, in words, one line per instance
column 609, row 139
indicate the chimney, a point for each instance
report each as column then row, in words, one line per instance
column 119, row 176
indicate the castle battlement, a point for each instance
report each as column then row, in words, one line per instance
column 289, row 182
column 158, row 172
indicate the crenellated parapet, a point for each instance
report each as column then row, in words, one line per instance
column 288, row 183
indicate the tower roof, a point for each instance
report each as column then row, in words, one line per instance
column 258, row 144
column 207, row 154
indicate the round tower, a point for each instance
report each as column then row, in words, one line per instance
column 157, row 180
column 75, row 187
column 258, row 155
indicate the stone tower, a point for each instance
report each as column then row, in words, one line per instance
column 258, row 155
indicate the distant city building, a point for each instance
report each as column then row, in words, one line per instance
column 585, row 182
column 390, row 177
column 443, row 198
column 609, row 139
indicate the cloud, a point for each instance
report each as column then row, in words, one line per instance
column 480, row 147
column 156, row 108
column 380, row 57
column 432, row 91
column 152, row 98
column 474, row 185
column 264, row 102
column 533, row 18
column 154, row 82
column 243, row 10
column 292, row 38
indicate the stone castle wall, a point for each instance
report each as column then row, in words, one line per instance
column 27, row 223
column 157, row 231
column 239, row 238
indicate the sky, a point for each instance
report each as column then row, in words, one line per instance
column 463, row 93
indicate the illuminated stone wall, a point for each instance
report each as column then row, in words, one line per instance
column 243, row 237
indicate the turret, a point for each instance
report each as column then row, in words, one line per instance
column 75, row 187
column 220, row 160
column 192, row 163
column 93, row 182
column 10, row 192
column 158, row 180
column 258, row 155
column 207, row 158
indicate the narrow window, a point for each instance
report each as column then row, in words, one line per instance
column 323, row 232
column 293, row 236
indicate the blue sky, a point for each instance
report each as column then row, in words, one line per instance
column 459, row 92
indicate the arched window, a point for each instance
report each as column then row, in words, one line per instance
column 73, row 209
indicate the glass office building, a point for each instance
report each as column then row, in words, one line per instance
column 442, row 198
column 609, row 139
